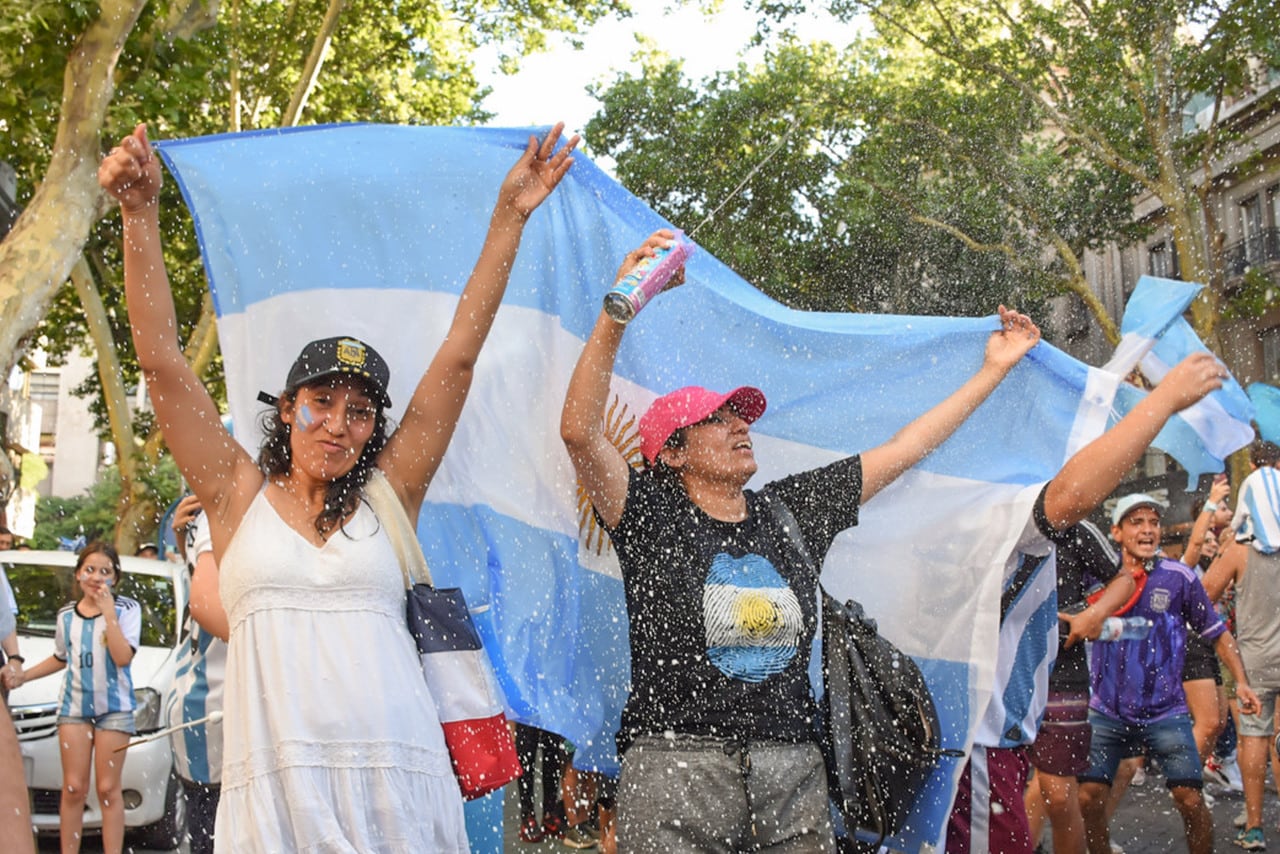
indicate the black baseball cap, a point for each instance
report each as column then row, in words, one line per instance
column 342, row 355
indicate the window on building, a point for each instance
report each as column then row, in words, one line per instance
column 1251, row 227
column 44, row 385
column 42, row 388
column 1163, row 259
column 1271, row 355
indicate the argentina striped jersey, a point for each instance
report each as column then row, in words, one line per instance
column 94, row 684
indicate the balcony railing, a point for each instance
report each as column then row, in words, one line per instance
column 1261, row 247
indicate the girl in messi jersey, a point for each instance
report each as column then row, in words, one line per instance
column 94, row 641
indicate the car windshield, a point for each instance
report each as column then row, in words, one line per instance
column 41, row 589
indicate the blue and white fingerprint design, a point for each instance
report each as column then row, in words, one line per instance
column 752, row 617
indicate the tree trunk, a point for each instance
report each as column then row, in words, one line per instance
column 37, row 256
column 133, row 490
column 139, row 513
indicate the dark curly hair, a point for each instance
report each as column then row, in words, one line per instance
column 1264, row 453
column 343, row 494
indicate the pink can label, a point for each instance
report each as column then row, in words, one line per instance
column 647, row 279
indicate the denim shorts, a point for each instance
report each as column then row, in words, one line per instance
column 1168, row 742
column 113, row 721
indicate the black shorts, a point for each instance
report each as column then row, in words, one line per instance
column 1202, row 661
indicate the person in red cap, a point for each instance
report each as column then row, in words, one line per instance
column 331, row 738
column 717, row 735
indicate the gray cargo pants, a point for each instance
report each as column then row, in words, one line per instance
column 691, row 793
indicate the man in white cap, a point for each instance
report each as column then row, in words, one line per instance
column 1138, row 706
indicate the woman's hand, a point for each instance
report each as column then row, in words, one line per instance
column 536, row 173
column 105, row 602
column 1016, row 336
column 1219, row 490
column 660, row 239
column 185, row 513
column 11, row 675
column 131, row 172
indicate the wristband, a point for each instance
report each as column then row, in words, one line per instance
column 1210, row 507
column 16, row 658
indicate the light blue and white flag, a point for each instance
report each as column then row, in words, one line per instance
column 1257, row 518
column 1155, row 337
column 1266, row 398
column 371, row 231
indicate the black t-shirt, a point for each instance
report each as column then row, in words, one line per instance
column 1085, row 559
column 722, row 614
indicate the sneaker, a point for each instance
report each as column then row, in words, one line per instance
column 1209, row 800
column 1251, row 840
column 1116, row 849
column 552, row 826
column 1231, row 770
column 1213, row 772
column 579, row 836
column 1139, row 776
column 1240, row 819
column 530, row 830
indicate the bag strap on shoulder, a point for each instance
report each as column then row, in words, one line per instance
column 404, row 539
column 782, row 513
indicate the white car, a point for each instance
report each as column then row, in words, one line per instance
column 154, row 806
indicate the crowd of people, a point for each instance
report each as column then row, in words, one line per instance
column 297, row 606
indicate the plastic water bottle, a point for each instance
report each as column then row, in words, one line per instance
column 646, row 279
column 1124, row 628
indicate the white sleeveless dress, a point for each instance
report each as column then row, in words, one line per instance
column 331, row 739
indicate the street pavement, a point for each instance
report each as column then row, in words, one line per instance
column 1145, row 823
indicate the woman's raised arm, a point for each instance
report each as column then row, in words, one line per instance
column 206, row 454
column 882, row 465
column 414, row 451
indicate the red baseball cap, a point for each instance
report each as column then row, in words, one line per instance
column 689, row 405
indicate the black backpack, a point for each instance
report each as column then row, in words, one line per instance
column 880, row 730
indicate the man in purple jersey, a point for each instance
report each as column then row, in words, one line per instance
column 1138, row 706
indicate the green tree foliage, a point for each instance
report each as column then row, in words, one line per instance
column 957, row 154
column 194, row 67
column 1113, row 87
column 840, row 214
column 404, row 62
column 93, row 515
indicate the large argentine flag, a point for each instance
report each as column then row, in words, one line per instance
column 371, row 231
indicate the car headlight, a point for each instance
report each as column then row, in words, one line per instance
column 146, row 716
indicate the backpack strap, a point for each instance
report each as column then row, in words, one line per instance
column 782, row 513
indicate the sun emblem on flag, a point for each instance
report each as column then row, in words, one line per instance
column 620, row 429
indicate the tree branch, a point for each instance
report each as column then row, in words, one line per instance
column 315, row 61
column 114, row 394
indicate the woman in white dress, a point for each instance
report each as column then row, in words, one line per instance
column 331, row 742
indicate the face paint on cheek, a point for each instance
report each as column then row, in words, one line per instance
column 305, row 419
